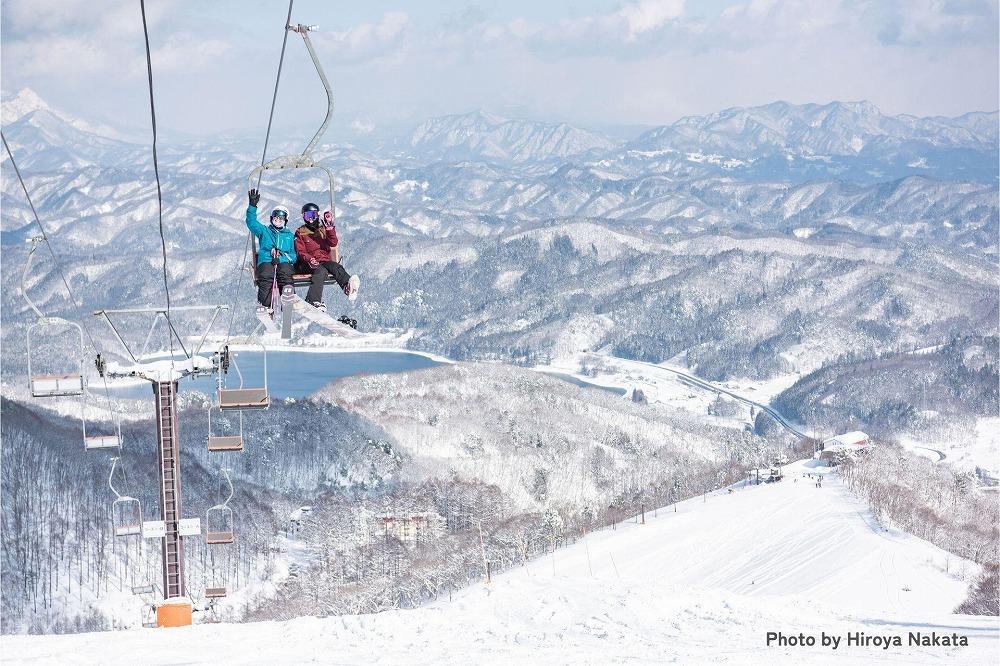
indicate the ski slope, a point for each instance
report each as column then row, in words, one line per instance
column 700, row 585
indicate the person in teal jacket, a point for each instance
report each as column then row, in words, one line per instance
column 275, row 249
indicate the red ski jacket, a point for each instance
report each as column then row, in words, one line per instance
column 315, row 245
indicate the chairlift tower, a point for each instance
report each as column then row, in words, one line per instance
column 164, row 376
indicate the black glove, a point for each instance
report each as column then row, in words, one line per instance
column 254, row 197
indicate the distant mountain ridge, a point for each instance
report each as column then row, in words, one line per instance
column 480, row 134
column 780, row 141
column 26, row 101
column 837, row 128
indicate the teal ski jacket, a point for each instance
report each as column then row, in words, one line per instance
column 269, row 238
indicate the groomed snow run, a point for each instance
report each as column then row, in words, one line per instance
column 703, row 585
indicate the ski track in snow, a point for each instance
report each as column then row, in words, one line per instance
column 700, row 585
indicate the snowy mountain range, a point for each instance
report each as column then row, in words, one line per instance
column 526, row 231
column 752, row 244
column 485, row 136
column 837, row 128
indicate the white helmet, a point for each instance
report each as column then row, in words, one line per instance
column 280, row 212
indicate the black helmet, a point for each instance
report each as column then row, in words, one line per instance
column 310, row 214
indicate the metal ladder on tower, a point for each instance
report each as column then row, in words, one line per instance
column 173, row 574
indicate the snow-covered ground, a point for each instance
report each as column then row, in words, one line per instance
column 663, row 383
column 704, row 584
column 966, row 450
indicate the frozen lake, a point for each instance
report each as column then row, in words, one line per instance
column 296, row 374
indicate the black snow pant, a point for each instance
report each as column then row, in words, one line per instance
column 265, row 279
column 319, row 275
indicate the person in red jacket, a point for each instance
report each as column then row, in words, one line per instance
column 316, row 246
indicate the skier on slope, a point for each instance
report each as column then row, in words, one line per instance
column 316, row 245
column 275, row 249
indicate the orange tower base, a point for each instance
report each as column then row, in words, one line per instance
column 174, row 613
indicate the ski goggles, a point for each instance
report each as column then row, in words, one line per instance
column 279, row 213
column 310, row 215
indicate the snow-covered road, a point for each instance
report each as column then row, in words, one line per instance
column 654, row 377
column 703, row 584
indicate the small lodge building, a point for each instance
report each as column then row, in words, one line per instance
column 412, row 528
column 847, row 444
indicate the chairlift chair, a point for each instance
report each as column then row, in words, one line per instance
column 245, row 398
column 127, row 516
column 219, row 527
column 215, row 592
column 67, row 381
column 305, row 160
column 93, row 440
column 149, row 616
column 126, row 512
column 224, row 442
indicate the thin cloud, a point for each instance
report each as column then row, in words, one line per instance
column 628, row 62
column 382, row 39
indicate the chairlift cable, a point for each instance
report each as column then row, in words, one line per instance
column 274, row 97
column 263, row 157
column 156, row 172
column 112, row 412
column 48, row 245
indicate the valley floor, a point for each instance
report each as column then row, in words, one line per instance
column 704, row 584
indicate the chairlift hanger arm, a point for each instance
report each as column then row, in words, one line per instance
column 304, row 31
column 114, row 463
column 24, row 274
column 225, row 472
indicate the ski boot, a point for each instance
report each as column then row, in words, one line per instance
column 352, row 288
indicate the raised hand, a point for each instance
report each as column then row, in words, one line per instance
column 254, row 197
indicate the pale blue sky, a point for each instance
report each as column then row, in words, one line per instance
column 595, row 63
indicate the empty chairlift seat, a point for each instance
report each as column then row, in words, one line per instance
column 220, row 537
column 92, row 442
column 127, row 516
column 227, row 443
column 244, row 398
column 219, row 524
column 49, row 386
column 215, row 592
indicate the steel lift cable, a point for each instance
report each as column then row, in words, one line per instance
column 76, row 303
column 263, row 156
column 156, row 172
column 48, row 245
